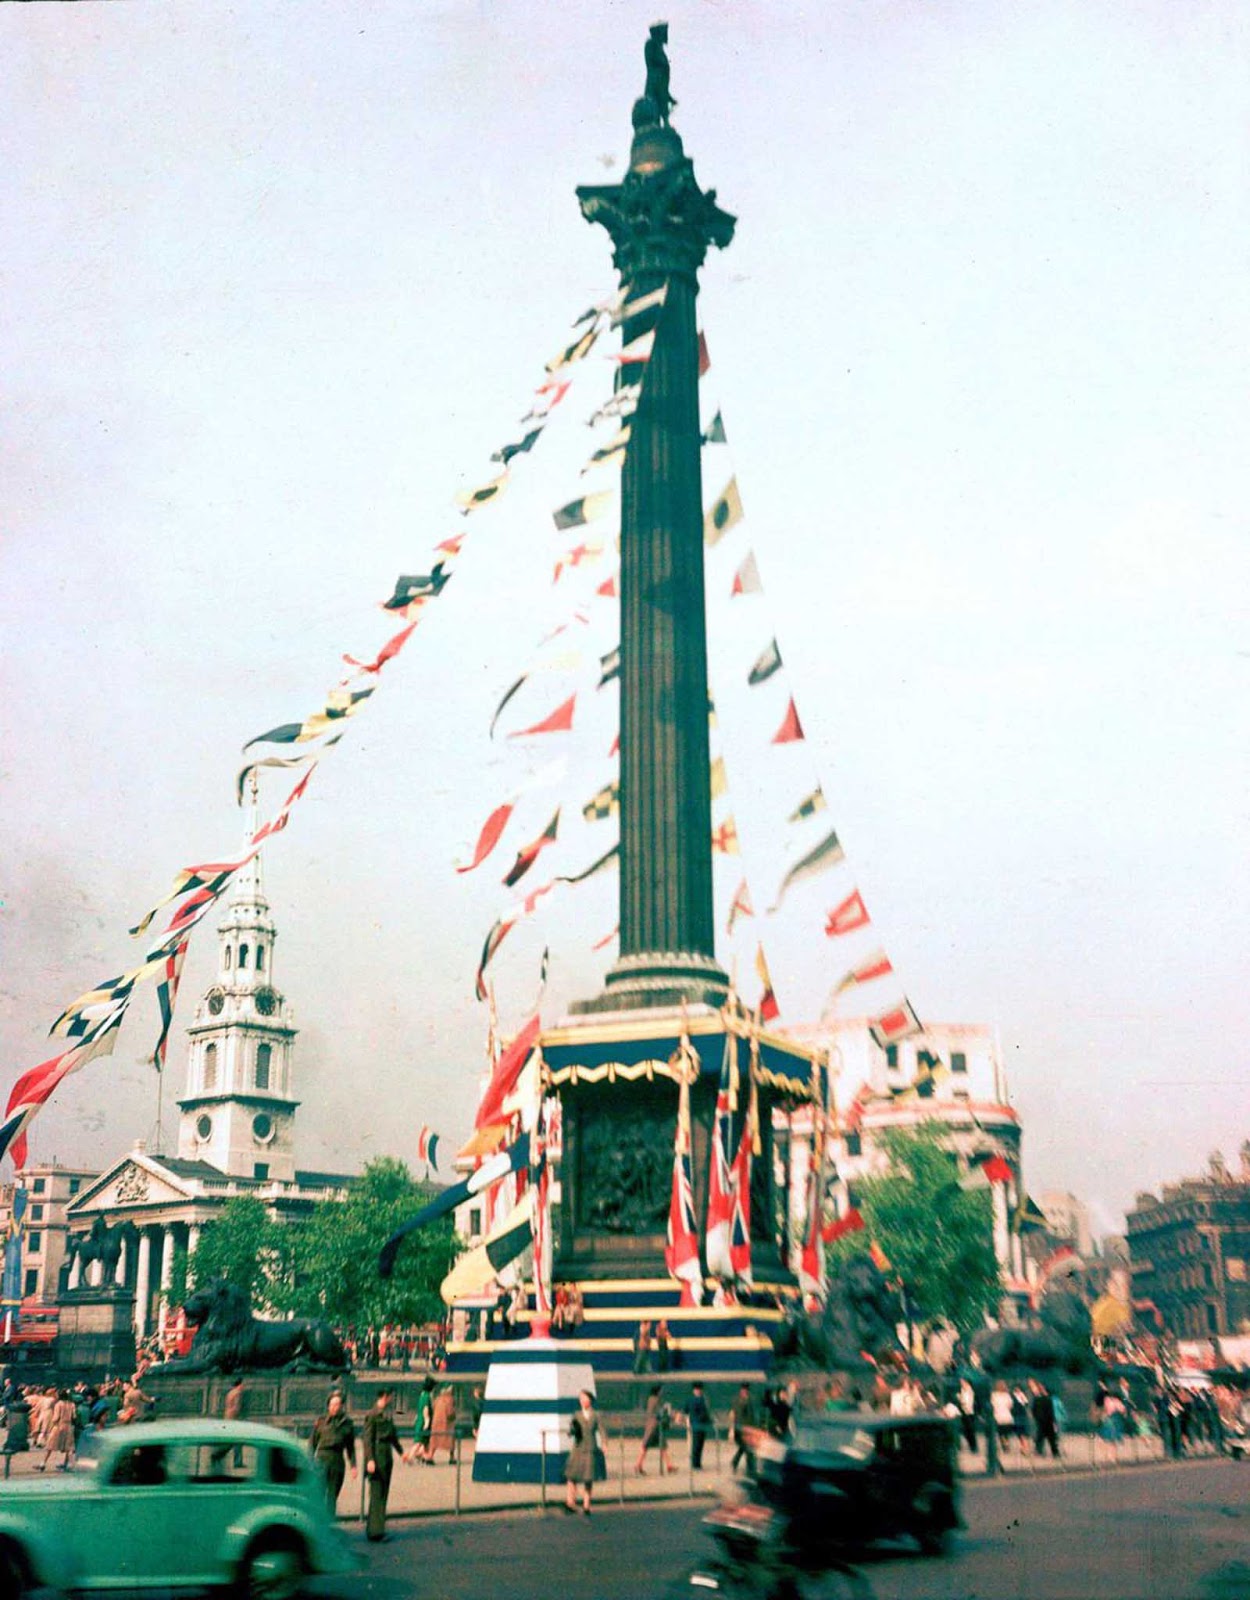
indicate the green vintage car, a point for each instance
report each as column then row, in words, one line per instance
column 186, row 1504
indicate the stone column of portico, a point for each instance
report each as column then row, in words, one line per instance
column 1002, row 1227
column 75, row 1268
column 119, row 1271
column 167, row 1275
column 143, row 1283
column 193, row 1239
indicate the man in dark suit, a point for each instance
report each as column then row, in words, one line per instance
column 699, row 1418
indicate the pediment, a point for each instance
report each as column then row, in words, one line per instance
column 133, row 1181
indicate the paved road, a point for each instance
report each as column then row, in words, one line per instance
column 1155, row 1533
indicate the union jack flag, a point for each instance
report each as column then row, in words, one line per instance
column 681, row 1255
column 720, row 1193
column 740, row 1220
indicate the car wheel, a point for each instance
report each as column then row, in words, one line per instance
column 274, row 1568
column 14, row 1572
column 933, row 1541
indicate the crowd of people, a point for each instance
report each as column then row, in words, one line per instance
column 51, row 1421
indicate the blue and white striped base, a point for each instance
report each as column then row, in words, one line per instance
column 531, row 1392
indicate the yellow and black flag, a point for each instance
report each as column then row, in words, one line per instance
column 724, row 514
column 604, row 804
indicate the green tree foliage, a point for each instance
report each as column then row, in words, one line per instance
column 938, row 1236
column 336, row 1254
column 247, row 1246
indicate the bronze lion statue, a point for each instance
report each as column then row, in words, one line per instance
column 1056, row 1338
column 857, row 1327
column 228, row 1338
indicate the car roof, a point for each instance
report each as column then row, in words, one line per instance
column 206, row 1430
column 872, row 1421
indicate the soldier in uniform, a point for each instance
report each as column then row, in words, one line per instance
column 380, row 1439
column 334, row 1446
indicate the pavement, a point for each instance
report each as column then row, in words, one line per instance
column 1163, row 1531
column 447, row 1489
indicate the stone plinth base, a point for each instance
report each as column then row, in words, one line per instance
column 532, row 1390
column 96, row 1333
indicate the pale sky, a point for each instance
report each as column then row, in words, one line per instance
column 279, row 279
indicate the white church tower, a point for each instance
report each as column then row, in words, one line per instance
column 238, row 1112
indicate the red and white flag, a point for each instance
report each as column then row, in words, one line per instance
column 899, row 1023
column 876, row 966
column 559, row 721
column 848, row 916
column 740, row 907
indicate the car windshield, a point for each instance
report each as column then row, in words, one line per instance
column 841, row 1438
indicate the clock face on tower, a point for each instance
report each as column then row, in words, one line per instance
column 266, row 1002
column 215, row 1001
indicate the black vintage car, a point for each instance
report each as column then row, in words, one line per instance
column 844, row 1481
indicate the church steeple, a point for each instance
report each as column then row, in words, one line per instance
column 238, row 1109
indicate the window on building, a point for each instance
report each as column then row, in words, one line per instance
column 891, row 1057
column 38, row 1186
column 34, row 1242
column 75, row 1184
column 228, row 958
column 242, row 958
column 32, row 1281
column 260, row 958
column 260, row 1170
column 210, row 1067
column 475, row 1221
column 959, row 1061
column 854, row 1144
column 1213, row 1319
column 263, row 1054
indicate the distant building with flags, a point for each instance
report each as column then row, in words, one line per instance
column 951, row 1072
column 49, row 1189
column 236, row 1132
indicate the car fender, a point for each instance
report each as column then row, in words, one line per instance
column 52, row 1562
column 268, row 1519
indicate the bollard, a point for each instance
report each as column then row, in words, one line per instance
column 622, row 1473
column 456, row 1457
column 542, row 1470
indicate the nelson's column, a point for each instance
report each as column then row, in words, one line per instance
column 612, row 1061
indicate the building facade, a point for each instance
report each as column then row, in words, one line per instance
column 1189, row 1252
column 49, row 1189
column 132, row 1225
column 952, row 1073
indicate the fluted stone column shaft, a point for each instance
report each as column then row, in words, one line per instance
column 666, row 813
